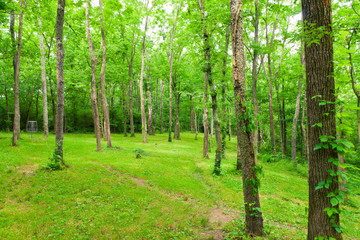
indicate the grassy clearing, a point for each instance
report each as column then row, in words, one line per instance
column 167, row 194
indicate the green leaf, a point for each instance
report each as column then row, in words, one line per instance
column 334, row 202
column 318, row 146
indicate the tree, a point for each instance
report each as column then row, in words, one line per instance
column 102, row 74
column 320, row 94
column 43, row 77
column 16, row 63
column 60, row 79
column 94, row 60
column 171, row 61
column 254, row 220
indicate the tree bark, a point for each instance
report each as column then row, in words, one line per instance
column 207, row 75
column 131, row 108
column 192, row 115
column 156, row 105
column 171, row 60
column 177, row 110
column 142, row 99
column 295, row 121
column 150, row 110
column 161, row 106
column 254, row 220
column 254, row 74
column 16, row 63
column 43, row 78
column 102, row 74
column 320, row 86
column 60, row 79
column 94, row 60
column 124, row 114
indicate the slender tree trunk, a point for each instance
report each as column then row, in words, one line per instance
column 295, row 121
column 229, row 124
column 150, row 111
column 320, row 82
column 156, row 105
column 7, row 109
column 142, row 99
column 280, row 118
column 254, row 220
column 102, row 74
column 60, row 79
column 124, row 114
column 219, row 151
column 94, row 104
column 171, row 60
column 43, row 79
column 161, row 106
column 254, row 74
column 131, row 108
column 177, row 118
column 53, row 105
column 207, row 76
column 192, row 115
column 223, row 115
column 303, row 131
column 16, row 124
column 196, row 128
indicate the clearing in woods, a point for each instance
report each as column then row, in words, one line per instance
column 168, row 193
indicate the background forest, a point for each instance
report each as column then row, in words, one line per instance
column 166, row 67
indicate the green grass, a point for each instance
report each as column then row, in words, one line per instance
column 169, row 193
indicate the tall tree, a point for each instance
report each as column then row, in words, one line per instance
column 60, row 79
column 102, row 74
column 296, row 116
column 320, row 87
column 43, row 77
column 207, row 75
column 16, row 63
column 254, row 220
column 171, row 61
column 130, row 65
column 94, row 60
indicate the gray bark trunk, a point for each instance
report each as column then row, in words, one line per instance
column 107, row 132
column 60, row 79
column 94, row 104
column 43, row 78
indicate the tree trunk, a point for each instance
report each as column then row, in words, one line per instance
column 161, row 106
column 124, row 114
column 254, row 220
column 143, row 114
column 156, row 105
column 207, row 76
column 177, row 118
column 131, row 108
column 192, row 115
column 43, row 79
column 150, row 111
column 60, row 79
column 102, row 74
column 303, row 131
column 229, row 124
column 196, row 128
column 171, row 60
column 16, row 62
column 320, row 86
column 53, row 105
column 94, row 104
column 215, row 119
column 295, row 121
column 7, row 109
column 254, row 74
column 280, row 118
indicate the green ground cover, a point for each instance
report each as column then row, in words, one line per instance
column 169, row 193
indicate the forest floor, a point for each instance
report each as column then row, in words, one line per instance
column 169, row 193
